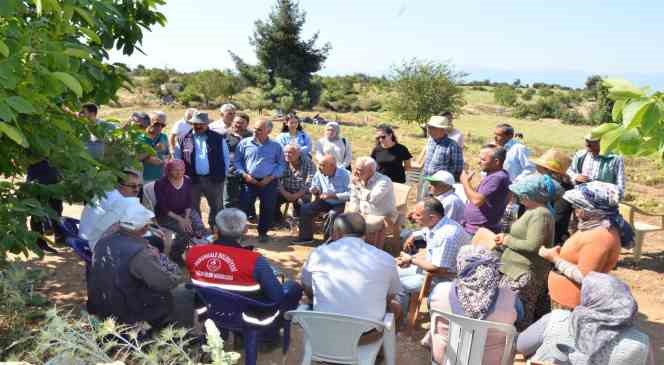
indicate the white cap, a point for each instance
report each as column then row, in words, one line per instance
column 442, row 176
column 133, row 215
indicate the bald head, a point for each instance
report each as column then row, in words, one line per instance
column 328, row 165
column 262, row 129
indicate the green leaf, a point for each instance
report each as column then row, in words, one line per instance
column 77, row 52
column 70, row 81
column 14, row 134
column 602, row 129
column 617, row 110
column 91, row 34
column 21, row 105
column 4, row 50
column 629, row 142
column 622, row 89
column 85, row 15
column 610, row 140
column 6, row 113
column 652, row 119
column 8, row 7
column 38, row 5
column 633, row 113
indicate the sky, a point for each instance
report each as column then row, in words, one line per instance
column 561, row 41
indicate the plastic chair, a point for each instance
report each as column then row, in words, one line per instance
column 81, row 247
column 231, row 311
column 335, row 338
column 628, row 212
column 416, row 303
column 67, row 227
column 467, row 338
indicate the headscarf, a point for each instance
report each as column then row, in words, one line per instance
column 475, row 290
column 607, row 308
column 538, row 187
column 336, row 127
column 172, row 164
column 600, row 201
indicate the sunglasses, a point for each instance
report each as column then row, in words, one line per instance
column 381, row 137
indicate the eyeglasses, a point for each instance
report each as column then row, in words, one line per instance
column 131, row 186
column 381, row 137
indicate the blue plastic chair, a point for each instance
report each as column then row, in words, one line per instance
column 231, row 311
column 81, row 247
column 67, row 227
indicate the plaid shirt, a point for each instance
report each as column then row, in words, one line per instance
column 295, row 180
column 444, row 154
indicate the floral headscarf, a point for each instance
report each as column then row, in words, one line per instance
column 600, row 201
column 475, row 289
column 539, row 188
column 607, row 308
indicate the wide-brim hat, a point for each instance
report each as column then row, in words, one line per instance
column 438, row 121
column 553, row 160
column 590, row 137
column 199, row 118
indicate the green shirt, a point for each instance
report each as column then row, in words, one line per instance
column 533, row 230
column 153, row 172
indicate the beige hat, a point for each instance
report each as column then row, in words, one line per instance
column 591, row 137
column 438, row 121
column 199, row 118
column 553, row 160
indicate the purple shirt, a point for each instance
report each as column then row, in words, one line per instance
column 495, row 187
column 170, row 199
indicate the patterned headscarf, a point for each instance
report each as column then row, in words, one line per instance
column 600, row 201
column 539, row 188
column 475, row 290
column 171, row 164
column 336, row 127
column 607, row 308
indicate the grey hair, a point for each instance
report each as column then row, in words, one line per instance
column 292, row 145
column 499, row 153
column 228, row 107
column 361, row 162
column 189, row 113
column 231, row 222
column 160, row 115
column 350, row 224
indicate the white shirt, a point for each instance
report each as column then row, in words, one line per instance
column 180, row 128
column 453, row 205
column 92, row 224
column 337, row 148
column 376, row 198
column 218, row 126
column 456, row 136
column 443, row 242
column 516, row 161
column 349, row 276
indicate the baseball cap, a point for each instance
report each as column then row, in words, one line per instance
column 441, row 176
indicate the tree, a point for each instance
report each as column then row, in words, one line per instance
column 637, row 126
column 283, row 54
column 421, row 89
column 54, row 56
column 505, row 95
column 212, row 84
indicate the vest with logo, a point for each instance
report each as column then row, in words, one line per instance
column 225, row 267
column 214, row 144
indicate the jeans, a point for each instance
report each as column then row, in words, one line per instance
column 213, row 192
column 309, row 211
column 232, row 191
column 268, row 197
column 411, row 282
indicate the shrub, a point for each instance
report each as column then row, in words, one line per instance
column 528, row 94
column 544, row 92
column 505, row 95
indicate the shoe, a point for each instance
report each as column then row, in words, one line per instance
column 263, row 238
column 302, row 242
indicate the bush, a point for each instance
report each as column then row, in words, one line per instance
column 478, row 88
column 528, row 94
column 505, row 95
column 544, row 92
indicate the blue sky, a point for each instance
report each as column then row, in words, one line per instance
column 554, row 41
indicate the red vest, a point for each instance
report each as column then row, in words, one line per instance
column 224, row 267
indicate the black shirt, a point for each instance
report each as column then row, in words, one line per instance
column 390, row 161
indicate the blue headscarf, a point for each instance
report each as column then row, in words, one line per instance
column 538, row 187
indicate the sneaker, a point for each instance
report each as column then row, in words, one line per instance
column 300, row 241
column 263, row 238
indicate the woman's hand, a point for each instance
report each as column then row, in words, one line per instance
column 550, row 254
column 500, row 239
column 185, row 225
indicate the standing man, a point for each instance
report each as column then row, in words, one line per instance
column 94, row 144
column 330, row 189
column 440, row 152
column 486, row 205
column 442, row 188
column 222, row 125
column 589, row 165
column 516, row 160
column 454, row 133
column 260, row 162
column 180, row 128
column 234, row 182
column 206, row 160
column 295, row 183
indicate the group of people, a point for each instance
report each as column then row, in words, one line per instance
column 497, row 246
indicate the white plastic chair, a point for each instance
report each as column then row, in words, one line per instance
column 335, row 338
column 467, row 338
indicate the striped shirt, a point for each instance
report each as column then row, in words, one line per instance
column 444, row 154
column 294, row 180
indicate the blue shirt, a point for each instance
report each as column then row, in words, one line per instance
column 443, row 154
column 338, row 184
column 259, row 160
column 201, row 155
column 516, row 160
column 301, row 139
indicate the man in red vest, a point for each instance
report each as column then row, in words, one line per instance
column 225, row 264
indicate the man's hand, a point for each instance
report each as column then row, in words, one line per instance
column 409, row 244
column 328, row 196
column 466, row 177
column 356, row 179
column 582, row 179
column 266, row 180
column 314, row 191
column 550, row 254
column 249, row 179
column 404, row 259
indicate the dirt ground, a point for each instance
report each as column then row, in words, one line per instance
column 65, row 286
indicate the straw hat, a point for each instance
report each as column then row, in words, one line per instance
column 437, row 121
column 553, row 160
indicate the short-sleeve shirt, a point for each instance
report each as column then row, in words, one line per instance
column 153, row 172
column 495, row 188
column 180, row 128
column 390, row 161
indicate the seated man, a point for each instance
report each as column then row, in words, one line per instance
column 441, row 186
column 225, row 264
column 294, row 184
column 443, row 238
column 372, row 195
column 349, row 276
column 329, row 188
column 129, row 280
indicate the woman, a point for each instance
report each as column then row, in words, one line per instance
column 392, row 157
column 153, row 137
column 600, row 331
column 475, row 293
column 174, row 208
column 596, row 244
column 334, row 144
column 292, row 132
column 524, row 271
